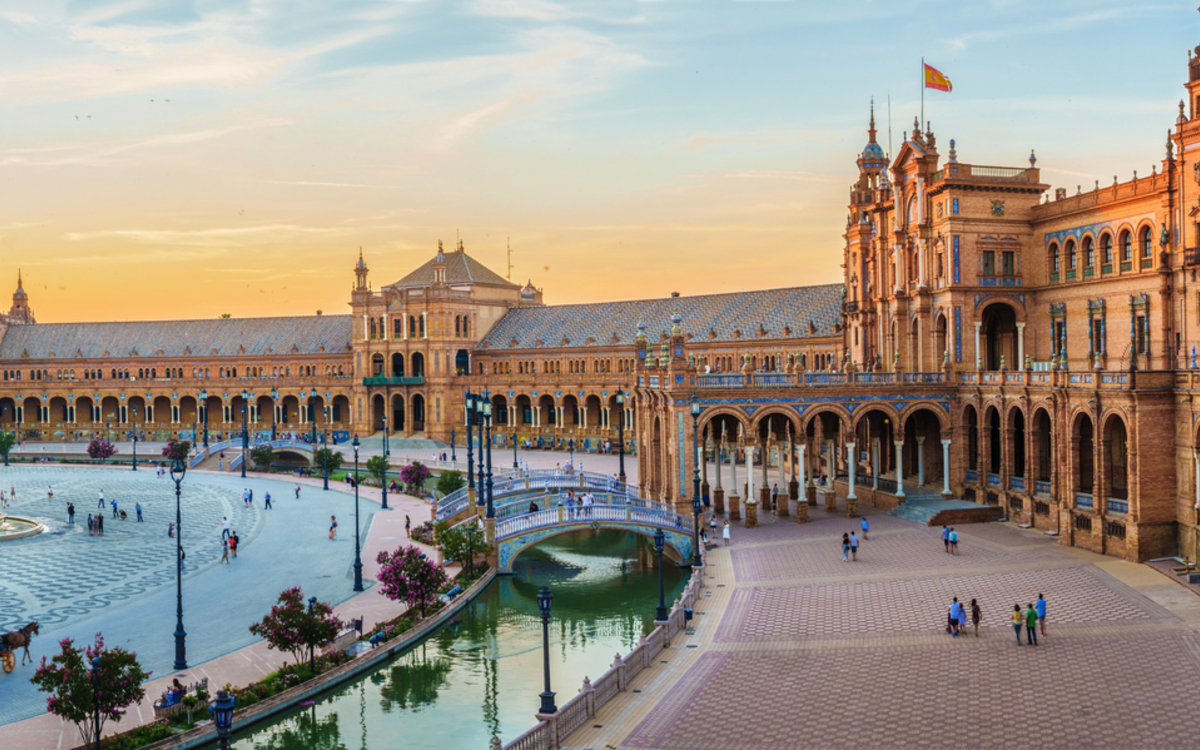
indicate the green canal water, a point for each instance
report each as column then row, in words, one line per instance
column 480, row 674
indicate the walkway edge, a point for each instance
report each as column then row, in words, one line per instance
column 288, row 698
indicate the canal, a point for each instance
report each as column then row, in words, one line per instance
column 481, row 673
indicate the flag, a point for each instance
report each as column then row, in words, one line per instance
column 935, row 79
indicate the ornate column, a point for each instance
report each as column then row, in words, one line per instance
column 718, row 497
column 793, row 460
column 978, row 351
column 946, row 468
column 1020, row 363
column 781, row 502
column 764, row 490
column 852, row 467
column 735, row 512
column 802, row 502
column 920, row 461
column 875, row 463
column 899, row 444
column 751, row 503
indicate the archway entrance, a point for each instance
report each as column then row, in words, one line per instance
column 999, row 332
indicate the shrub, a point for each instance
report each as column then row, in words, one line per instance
column 408, row 575
column 100, row 448
column 291, row 628
column 450, row 481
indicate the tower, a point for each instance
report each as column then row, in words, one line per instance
column 360, row 273
column 20, row 312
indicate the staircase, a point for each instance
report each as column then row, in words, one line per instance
column 929, row 508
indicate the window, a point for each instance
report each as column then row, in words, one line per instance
column 1147, row 244
column 1106, row 243
column 1143, row 340
column 1126, row 246
column 954, row 206
column 1070, row 256
column 1053, row 257
column 989, row 263
column 1089, row 253
column 1008, row 263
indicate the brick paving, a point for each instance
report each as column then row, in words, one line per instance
column 805, row 651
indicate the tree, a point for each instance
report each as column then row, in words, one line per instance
column 450, row 481
column 74, row 697
column 7, row 441
column 101, row 448
column 377, row 467
column 323, row 455
column 463, row 543
column 176, row 449
column 414, row 476
column 262, row 456
column 291, row 628
column 407, row 575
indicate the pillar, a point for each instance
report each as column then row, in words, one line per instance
column 1020, row 347
column 793, row 461
column 875, row 463
column 946, row 469
column 978, row 351
column 764, row 492
column 735, row 513
column 920, row 460
column 899, row 468
column 781, row 503
column 802, row 503
column 852, row 467
column 718, row 493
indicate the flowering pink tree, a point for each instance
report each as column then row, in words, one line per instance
column 176, row 449
column 414, row 476
column 74, row 696
column 101, row 448
column 291, row 628
column 408, row 576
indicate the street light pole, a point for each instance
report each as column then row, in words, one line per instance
column 470, row 401
column 245, row 432
column 96, row 697
column 487, row 424
column 621, row 435
column 544, row 600
column 274, row 414
column 385, row 462
column 357, row 558
column 178, row 469
column 325, row 447
column 135, row 448
column 453, row 454
column 660, row 540
column 204, row 408
column 516, row 464
column 694, row 403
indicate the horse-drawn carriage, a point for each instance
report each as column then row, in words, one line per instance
column 10, row 642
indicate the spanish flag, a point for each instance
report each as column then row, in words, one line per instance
column 935, row 79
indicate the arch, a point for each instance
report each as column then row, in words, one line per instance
column 825, row 411
column 1043, row 447
column 924, row 426
column 339, row 411
column 1072, row 260
column 462, row 362
column 1052, row 251
column 546, row 415
column 971, row 424
column 1126, row 243
column 264, row 411
column 110, row 410
column 85, row 410
column 593, row 411
column 941, row 341
column 1082, row 450
column 499, row 409
column 162, row 410
column 992, row 424
column 1016, row 440
column 934, row 409
column 524, row 410
column 376, row 365
column 31, row 409
column 58, row 410
column 417, row 360
column 378, row 412
column 1089, row 253
column 418, row 412
column 510, row 549
column 998, row 336
column 289, row 410
column 570, row 410
column 136, row 410
column 877, row 422
column 398, row 365
column 1106, row 249
column 1115, row 456
column 188, row 412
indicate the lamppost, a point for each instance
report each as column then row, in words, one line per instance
column 245, row 433
column 221, row 711
column 470, row 398
column 357, row 559
column 96, row 697
column 325, row 447
column 544, row 599
column 487, row 425
column 516, row 464
column 480, row 489
column 694, row 404
column 571, row 451
column 178, row 469
column 312, row 414
column 135, row 448
column 621, row 435
column 660, row 539
column 385, row 461
column 274, row 413
column 453, row 454
column 312, row 661
column 204, row 410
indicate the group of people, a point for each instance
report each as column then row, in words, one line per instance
column 229, row 541
column 584, row 504
column 950, row 540
column 1032, row 618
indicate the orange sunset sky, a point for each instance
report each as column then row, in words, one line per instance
column 165, row 160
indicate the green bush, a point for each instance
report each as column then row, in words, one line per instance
column 450, row 481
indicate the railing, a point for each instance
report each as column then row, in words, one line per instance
column 201, row 454
column 1117, row 506
column 1002, row 173
column 972, row 476
column 1083, row 500
column 824, row 378
column 874, row 378
column 720, row 381
column 923, row 377
column 237, row 461
column 381, row 380
column 1191, row 256
column 993, row 480
column 555, row 516
column 773, row 378
column 1016, row 483
column 552, row 731
column 539, row 480
column 1041, row 488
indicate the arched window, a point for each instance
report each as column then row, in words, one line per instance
column 466, row 327
column 1070, row 255
column 1107, row 246
column 457, row 327
column 1089, row 253
column 1053, row 257
column 1126, row 246
column 1147, row 243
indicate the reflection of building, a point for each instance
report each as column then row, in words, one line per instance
column 1041, row 350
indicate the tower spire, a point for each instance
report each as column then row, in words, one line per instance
column 871, row 129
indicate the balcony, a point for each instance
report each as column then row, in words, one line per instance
column 381, row 380
column 1191, row 256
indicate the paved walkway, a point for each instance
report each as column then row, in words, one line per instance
column 285, row 546
column 804, row 650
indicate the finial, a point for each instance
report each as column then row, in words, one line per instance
column 1170, row 146
column 872, row 112
column 1032, row 159
column 953, row 153
column 1097, row 184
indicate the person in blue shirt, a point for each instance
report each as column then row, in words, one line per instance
column 1040, row 607
column 138, row 506
column 864, row 526
column 953, row 542
column 956, row 616
column 946, row 539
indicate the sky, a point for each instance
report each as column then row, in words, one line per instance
column 165, row 160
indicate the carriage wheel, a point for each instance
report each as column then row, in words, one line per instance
column 10, row 661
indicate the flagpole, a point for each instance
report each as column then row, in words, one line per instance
column 922, row 91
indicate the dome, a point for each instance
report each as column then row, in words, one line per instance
column 873, row 152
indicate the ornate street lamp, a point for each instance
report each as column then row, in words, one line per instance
column 312, row 661
column 245, row 432
column 544, row 600
column 385, row 461
column 660, row 539
column 135, row 448
column 470, row 400
column 571, row 451
column 312, row 414
column 516, row 464
column 204, row 411
column 96, row 697
column 274, row 413
column 487, row 424
column 621, row 434
column 453, row 454
column 357, row 559
column 325, row 446
column 178, row 469
column 221, row 711
column 694, row 405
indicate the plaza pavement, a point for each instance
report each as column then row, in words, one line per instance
column 794, row 648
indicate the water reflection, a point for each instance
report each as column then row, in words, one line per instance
column 480, row 675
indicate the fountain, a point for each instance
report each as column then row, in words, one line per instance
column 12, row 527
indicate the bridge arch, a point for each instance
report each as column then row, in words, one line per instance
column 509, row 547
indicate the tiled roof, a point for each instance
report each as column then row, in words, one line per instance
column 173, row 337
column 709, row 318
column 460, row 269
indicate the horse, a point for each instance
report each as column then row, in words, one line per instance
column 20, row 639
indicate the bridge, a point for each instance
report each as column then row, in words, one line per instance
column 616, row 506
column 298, row 447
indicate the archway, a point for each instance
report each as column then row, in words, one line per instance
column 1042, row 446
column 378, row 412
column 546, row 416
column 971, row 419
column 1116, row 458
column 398, row 414
column 85, row 410
column 1016, row 424
column 875, row 446
column 58, row 410
column 942, row 349
column 187, row 410
column 136, row 410
column 339, row 412
column 570, row 410
column 524, row 410
column 418, row 365
column 398, row 365
column 376, row 365
column 1084, row 463
column 924, row 459
column 992, row 420
column 418, row 412
column 462, row 362
column 499, row 409
column 999, row 331
column 162, row 412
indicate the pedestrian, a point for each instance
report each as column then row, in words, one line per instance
column 332, row 527
column 91, row 525
column 946, row 538
column 297, row 492
column 251, row 501
column 224, row 527
column 953, row 541
column 1030, row 625
column 853, row 547
column 220, row 464
column 1016, row 622
column 49, row 492
column 267, row 501
column 863, row 523
column 234, row 541
column 725, row 532
column 182, row 557
column 1041, row 613
column 224, row 551
column 70, row 513
column 245, row 497
column 138, row 507
column 845, row 548
column 976, row 616
column 712, row 527
column 956, row 616
column 408, row 525
column 170, row 529
column 114, row 507
column 101, row 502
column 99, row 524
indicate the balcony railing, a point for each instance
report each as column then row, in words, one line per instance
column 1041, row 488
column 993, row 480
column 972, row 476
column 381, row 380
column 1016, row 483
column 787, row 380
column 1083, row 500
column 1117, row 506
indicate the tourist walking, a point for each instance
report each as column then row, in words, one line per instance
column 267, row 501
column 99, row 524
column 101, row 502
column 245, row 497
column 408, row 524
column 138, row 507
column 332, row 527
column 224, row 551
column 725, row 532
column 712, row 527
column 234, row 541
column 1040, row 604
column 114, row 507
column 70, row 513
column 1030, row 625
column 297, row 492
column 1016, row 622
column 953, row 541
column 170, row 529
column 946, row 538
column 845, row 548
column 251, row 501
column 49, row 492
column 775, row 497
column 865, row 526
column 976, row 616
column 853, row 547
column 224, row 527
column 956, row 617
column 91, row 525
